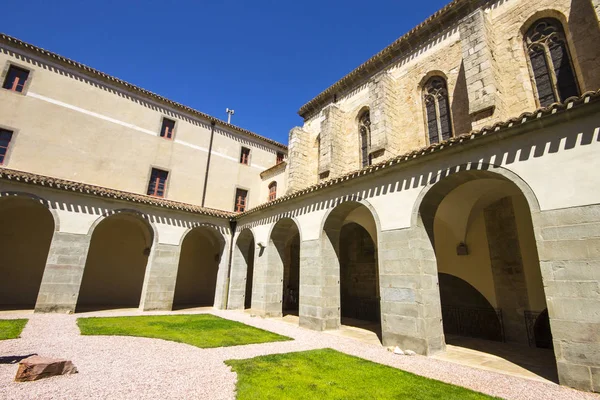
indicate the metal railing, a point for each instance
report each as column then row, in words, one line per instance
column 483, row 323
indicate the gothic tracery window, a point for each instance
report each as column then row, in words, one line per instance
column 437, row 108
column 364, row 130
column 550, row 62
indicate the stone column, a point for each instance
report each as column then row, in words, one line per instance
column 301, row 161
column 319, row 284
column 507, row 268
column 238, row 277
column 384, row 106
column 63, row 274
column 475, row 37
column 160, row 278
column 330, row 156
column 223, row 281
column 411, row 315
column 568, row 243
column 267, row 288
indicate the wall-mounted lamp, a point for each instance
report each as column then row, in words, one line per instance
column 462, row 249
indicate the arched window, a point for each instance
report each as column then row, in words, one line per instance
column 272, row 191
column 364, row 130
column 437, row 107
column 550, row 62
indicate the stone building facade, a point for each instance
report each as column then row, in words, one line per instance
column 452, row 174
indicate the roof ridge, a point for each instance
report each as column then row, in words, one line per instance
column 145, row 92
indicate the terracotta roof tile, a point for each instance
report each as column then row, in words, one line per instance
column 83, row 188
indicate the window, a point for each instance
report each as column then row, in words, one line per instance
column 245, row 156
column 280, row 157
column 272, row 191
column 15, row 79
column 550, row 62
column 435, row 97
column 364, row 129
column 240, row 200
column 5, row 137
column 168, row 128
column 158, row 183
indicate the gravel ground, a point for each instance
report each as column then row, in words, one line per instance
column 140, row 368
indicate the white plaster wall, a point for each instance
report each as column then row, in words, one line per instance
column 73, row 128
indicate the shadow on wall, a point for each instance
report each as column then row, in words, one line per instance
column 585, row 31
column 460, row 104
column 556, row 137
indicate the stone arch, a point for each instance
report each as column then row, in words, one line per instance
column 431, row 74
column 120, row 247
column 349, row 246
column 478, row 220
column 283, row 258
column 41, row 200
column 472, row 172
column 242, row 271
column 28, row 225
column 153, row 237
column 201, row 252
column 350, row 199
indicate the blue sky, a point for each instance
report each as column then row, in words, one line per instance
column 263, row 58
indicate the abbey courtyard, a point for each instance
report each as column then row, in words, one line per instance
column 443, row 197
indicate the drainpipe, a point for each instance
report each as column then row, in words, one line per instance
column 212, row 135
column 232, row 225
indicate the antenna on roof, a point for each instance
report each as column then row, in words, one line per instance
column 229, row 114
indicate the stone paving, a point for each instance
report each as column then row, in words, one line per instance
column 139, row 368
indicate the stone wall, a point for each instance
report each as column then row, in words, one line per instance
column 478, row 63
column 484, row 61
column 569, row 248
column 507, row 268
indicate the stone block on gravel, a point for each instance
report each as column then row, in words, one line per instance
column 36, row 367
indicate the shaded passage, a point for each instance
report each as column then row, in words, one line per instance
column 25, row 237
column 116, row 264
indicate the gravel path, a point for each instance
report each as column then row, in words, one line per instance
column 140, row 368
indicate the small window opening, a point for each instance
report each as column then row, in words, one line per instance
column 272, row 191
column 280, row 157
column 550, row 62
column 5, row 138
column 245, row 156
column 364, row 129
column 158, row 183
column 15, row 79
column 437, row 108
column 167, row 129
column 240, row 200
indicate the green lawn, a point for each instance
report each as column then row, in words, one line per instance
column 328, row 374
column 201, row 330
column 11, row 328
